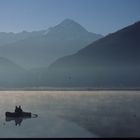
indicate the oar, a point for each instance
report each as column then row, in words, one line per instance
column 34, row 115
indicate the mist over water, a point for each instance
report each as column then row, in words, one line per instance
column 73, row 67
column 47, row 124
column 72, row 113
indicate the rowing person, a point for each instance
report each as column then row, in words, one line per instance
column 18, row 110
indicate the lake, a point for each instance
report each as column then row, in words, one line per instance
column 70, row 114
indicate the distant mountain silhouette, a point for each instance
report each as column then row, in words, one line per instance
column 11, row 75
column 113, row 61
column 8, row 38
column 41, row 48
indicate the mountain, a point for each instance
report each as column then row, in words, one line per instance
column 40, row 49
column 11, row 74
column 110, row 62
column 8, row 38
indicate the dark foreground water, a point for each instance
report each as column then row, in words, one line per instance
column 72, row 114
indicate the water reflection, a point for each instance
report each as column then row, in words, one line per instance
column 19, row 120
column 50, row 108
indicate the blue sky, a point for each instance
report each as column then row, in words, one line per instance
column 99, row 16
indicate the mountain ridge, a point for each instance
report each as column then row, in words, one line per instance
column 112, row 61
column 11, row 74
column 43, row 48
column 96, row 45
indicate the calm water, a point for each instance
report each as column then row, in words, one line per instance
column 47, row 124
column 72, row 114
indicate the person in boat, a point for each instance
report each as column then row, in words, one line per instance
column 18, row 110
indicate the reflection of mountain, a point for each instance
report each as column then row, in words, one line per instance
column 37, row 49
column 113, row 61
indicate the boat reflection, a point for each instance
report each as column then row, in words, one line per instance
column 19, row 120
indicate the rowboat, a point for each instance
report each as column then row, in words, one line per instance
column 14, row 114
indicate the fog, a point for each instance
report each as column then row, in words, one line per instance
column 72, row 113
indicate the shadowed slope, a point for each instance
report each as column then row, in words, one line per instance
column 44, row 47
column 11, row 75
column 112, row 61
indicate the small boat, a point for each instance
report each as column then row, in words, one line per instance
column 19, row 117
column 22, row 114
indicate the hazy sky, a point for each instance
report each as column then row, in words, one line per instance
column 99, row 16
